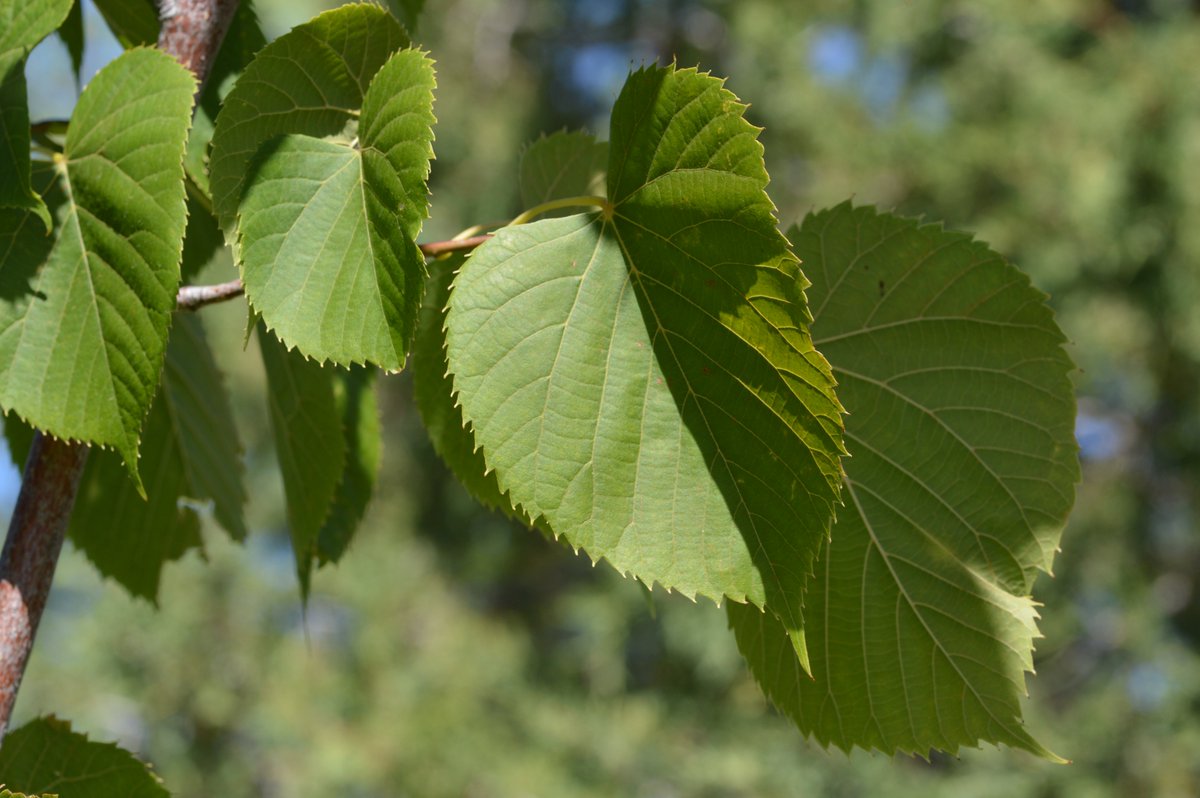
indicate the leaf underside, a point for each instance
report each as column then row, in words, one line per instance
column 434, row 397
column 962, row 470
column 642, row 379
column 84, row 313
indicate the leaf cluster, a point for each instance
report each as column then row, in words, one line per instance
column 858, row 435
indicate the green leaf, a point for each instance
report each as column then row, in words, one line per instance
column 354, row 397
column 203, row 237
column 408, row 12
column 71, row 33
column 433, row 392
column 45, row 756
column 310, row 81
column 643, row 378
column 134, row 22
column 327, row 219
column 962, row 471
column 22, row 25
column 326, row 432
column 562, row 165
column 84, row 314
column 192, row 456
column 244, row 39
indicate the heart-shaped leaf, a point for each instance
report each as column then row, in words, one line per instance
column 433, row 393
column 642, row 378
column 963, row 464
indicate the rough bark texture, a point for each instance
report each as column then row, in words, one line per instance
column 35, row 538
column 192, row 31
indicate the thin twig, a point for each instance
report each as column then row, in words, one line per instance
column 436, row 248
column 194, row 297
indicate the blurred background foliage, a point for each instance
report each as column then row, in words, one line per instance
column 453, row 654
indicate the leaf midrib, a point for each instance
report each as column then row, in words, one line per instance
column 917, row 612
column 72, row 222
column 743, row 506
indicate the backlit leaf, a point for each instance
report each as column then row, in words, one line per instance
column 962, row 470
column 433, row 392
column 309, row 443
column 326, row 429
column 84, row 313
column 327, row 201
column 191, row 457
column 354, row 398
column 642, row 377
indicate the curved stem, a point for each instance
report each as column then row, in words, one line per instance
column 569, row 202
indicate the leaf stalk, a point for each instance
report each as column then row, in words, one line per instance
column 569, row 202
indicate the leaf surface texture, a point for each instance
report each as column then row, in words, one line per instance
column 961, row 473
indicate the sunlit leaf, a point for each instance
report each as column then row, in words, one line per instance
column 962, row 470
column 84, row 313
column 192, row 460
column 327, row 201
column 642, row 377
column 433, row 392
